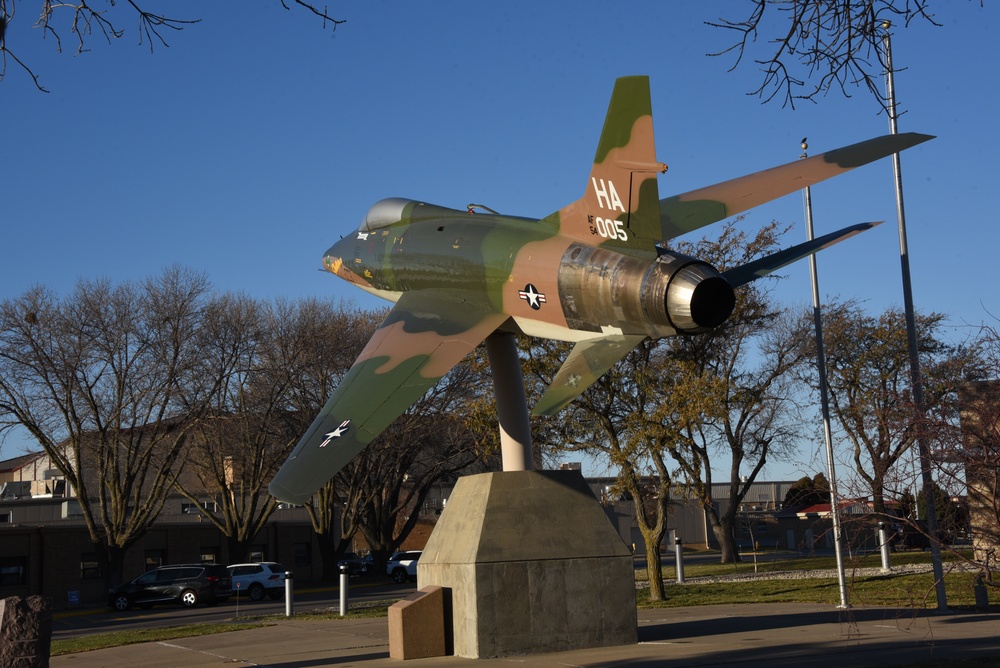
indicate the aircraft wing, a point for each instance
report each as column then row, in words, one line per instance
column 695, row 209
column 425, row 334
column 587, row 362
column 750, row 271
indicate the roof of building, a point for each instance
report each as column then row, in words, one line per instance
column 18, row 463
column 847, row 506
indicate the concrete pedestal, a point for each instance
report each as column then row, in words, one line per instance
column 533, row 565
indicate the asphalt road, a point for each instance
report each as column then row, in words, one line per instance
column 71, row 624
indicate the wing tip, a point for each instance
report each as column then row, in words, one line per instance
column 870, row 150
column 915, row 138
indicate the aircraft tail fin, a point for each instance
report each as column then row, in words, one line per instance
column 621, row 205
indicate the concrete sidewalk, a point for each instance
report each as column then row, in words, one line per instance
column 771, row 635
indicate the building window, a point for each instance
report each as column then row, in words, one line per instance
column 155, row 558
column 209, row 555
column 90, row 569
column 13, row 571
column 192, row 508
column 301, row 554
column 256, row 555
column 5, row 518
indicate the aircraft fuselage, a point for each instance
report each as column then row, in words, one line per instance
column 551, row 286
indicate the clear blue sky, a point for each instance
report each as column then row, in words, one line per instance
column 257, row 138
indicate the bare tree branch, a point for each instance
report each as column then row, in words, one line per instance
column 322, row 13
column 825, row 44
column 82, row 20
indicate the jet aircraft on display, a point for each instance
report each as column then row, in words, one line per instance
column 595, row 273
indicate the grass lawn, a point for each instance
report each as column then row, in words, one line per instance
column 915, row 590
column 119, row 638
column 893, row 589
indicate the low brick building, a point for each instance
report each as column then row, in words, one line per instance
column 45, row 547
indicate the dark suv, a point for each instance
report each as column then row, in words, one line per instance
column 187, row 584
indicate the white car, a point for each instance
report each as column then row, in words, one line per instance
column 402, row 566
column 258, row 579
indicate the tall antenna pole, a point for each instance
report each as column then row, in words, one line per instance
column 824, row 398
column 916, row 384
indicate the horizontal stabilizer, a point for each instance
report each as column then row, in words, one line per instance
column 585, row 364
column 765, row 265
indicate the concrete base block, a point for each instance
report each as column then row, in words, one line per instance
column 416, row 625
column 533, row 565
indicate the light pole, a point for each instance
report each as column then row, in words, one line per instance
column 824, row 398
column 911, row 337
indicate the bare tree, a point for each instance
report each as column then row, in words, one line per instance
column 868, row 377
column 731, row 393
column 81, row 20
column 107, row 381
column 819, row 45
column 244, row 437
column 748, row 423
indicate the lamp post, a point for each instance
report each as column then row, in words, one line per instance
column 911, row 336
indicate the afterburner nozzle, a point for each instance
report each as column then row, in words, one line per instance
column 699, row 298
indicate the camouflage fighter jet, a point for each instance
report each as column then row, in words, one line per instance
column 594, row 273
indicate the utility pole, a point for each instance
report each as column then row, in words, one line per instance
column 824, row 398
column 916, row 384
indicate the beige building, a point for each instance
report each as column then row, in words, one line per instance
column 30, row 476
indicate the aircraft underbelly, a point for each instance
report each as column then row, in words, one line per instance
column 389, row 295
column 548, row 330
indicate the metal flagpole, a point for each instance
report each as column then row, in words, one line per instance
column 824, row 399
column 911, row 337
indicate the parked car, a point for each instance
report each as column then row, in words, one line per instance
column 187, row 584
column 258, row 579
column 402, row 566
column 355, row 565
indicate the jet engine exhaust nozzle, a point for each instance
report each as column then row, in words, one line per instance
column 699, row 299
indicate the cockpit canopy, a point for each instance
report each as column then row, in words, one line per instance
column 384, row 213
column 393, row 210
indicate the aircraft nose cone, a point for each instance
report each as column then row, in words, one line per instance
column 332, row 263
column 344, row 260
column 333, row 259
